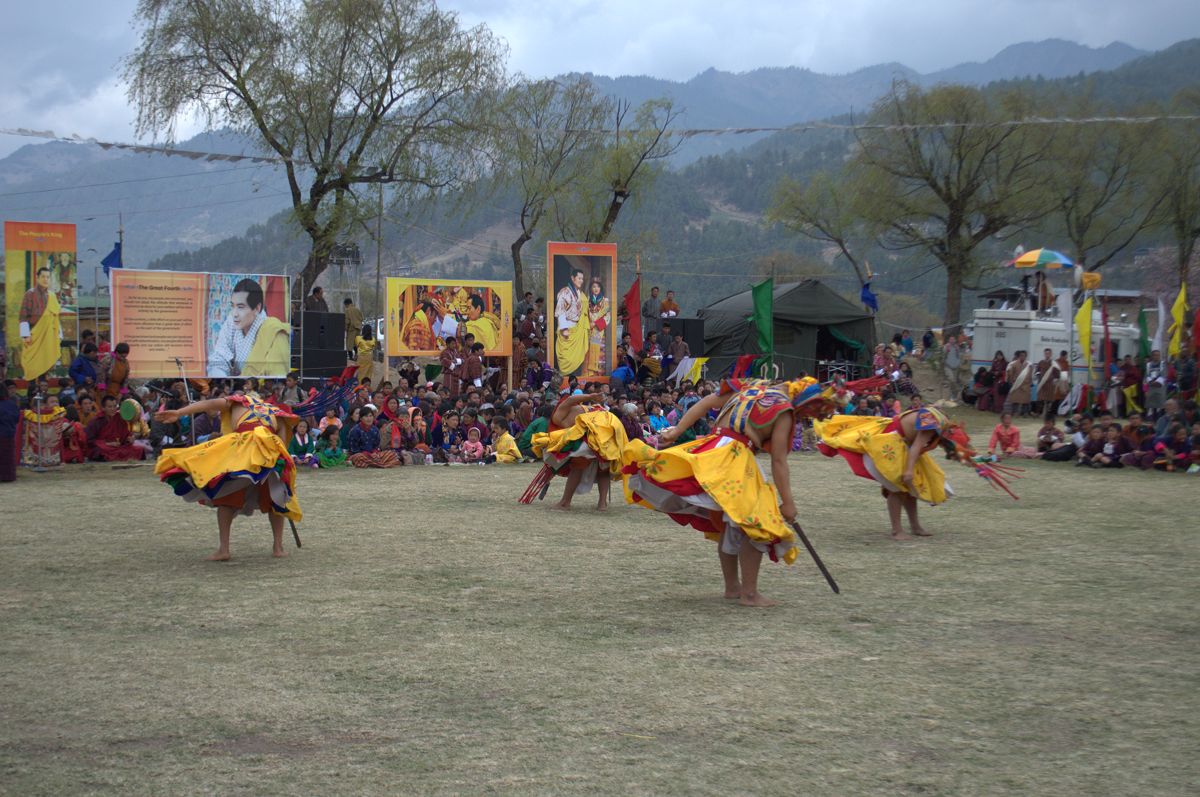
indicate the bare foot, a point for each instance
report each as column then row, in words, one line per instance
column 902, row 537
column 733, row 594
column 921, row 532
column 563, row 507
column 602, row 507
column 278, row 553
column 220, row 556
column 757, row 601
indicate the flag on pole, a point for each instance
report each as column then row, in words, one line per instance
column 1083, row 323
column 1108, row 352
column 112, row 259
column 1066, row 303
column 868, row 298
column 1143, row 335
column 1177, row 311
column 1160, row 332
column 764, row 316
column 633, row 313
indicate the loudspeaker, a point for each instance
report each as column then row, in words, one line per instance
column 692, row 330
column 323, row 331
column 322, row 363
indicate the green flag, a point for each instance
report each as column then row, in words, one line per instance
column 764, row 316
column 1144, row 338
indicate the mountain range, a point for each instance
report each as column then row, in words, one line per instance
column 169, row 206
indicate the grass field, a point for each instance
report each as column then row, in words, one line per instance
column 435, row 637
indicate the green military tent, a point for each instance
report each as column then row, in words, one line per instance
column 812, row 323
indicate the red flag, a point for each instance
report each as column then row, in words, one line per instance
column 633, row 313
column 1196, row 331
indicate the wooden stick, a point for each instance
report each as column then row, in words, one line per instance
column 295, row 534
column 813, row 553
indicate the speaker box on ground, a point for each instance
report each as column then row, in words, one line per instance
column 323, row 331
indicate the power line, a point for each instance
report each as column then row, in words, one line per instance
column 124, row 182
column 109, row 200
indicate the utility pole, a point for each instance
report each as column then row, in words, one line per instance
column 379, row 255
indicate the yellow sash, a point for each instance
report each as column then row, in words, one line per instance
column 570, row 351
column 43, row 349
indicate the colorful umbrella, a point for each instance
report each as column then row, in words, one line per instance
column 1042, row 258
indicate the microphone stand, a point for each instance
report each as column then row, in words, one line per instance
column 187, row 392
column 40, row 467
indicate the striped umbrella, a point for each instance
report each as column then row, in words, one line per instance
column 1042, row 258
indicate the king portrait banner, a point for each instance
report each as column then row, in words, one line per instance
column 422, row 313
column 216, row 325
column 39, row 281
column 582, row 278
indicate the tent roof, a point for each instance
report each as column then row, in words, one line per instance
column 806, row 302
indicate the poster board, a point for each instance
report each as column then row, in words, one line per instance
column 30, row 246
column 423, row 312
column 217, row 325
column 581, row 285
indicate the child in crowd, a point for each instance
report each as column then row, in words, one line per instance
column 1174, row 450
column 1050, row 437
column 473, row 450
column 1092, row 447
column 1007, row 438
column 330, row 453
column 504, row 446
column 1114, row 448
column 331, row 419
column 303, row 446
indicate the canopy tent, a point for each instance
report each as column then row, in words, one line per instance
column 812, row 323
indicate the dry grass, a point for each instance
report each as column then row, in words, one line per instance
column 434, row 637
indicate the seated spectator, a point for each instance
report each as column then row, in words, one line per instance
column 303, row 446
column 1141, row 452
column 1092, row 448
column 1174, row 450
column 1007, row 438
column 331, row 419
column 1079, row 432
column 363, row 444
column 330, row 453
column 539, row 424
column 504, row 447
column 141, row 431
column 393, row 436
column 74, row 441
column 1050, row 437
column 207, row 426
column 1114, row 448
column 109, row 436
column 473, row 451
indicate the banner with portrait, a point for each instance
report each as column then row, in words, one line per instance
column 581, row 318
column 215, row 325
column 40, row 279
column 422, row 313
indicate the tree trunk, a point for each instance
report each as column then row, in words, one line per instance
column 954, row 289
column 318, row 261
column 518, row 266
column 1186, row 248
column 614, row 210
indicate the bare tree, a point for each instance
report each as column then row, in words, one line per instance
column 550, row 136
column 345, row 94
column 622, row 169
column 823, row 212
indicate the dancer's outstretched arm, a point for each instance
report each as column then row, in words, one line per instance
column 196, row 407
column 694, row 413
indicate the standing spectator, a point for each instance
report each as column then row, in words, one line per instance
column 452, row 366
column 650, row 312
column 83, row 367
column 354, row 322
column 292, row 394
column 951, row 363
column 668, row 308
column 993, row 400
column 1019, row 375
column 364, row 352
column 315, row 303
column 9, row 415
column 525, row 306
column 926, row 343
column 473, row 367
column 1155, row 385
column 116, row 370
column 906, row 342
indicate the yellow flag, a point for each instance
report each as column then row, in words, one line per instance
column 1177, row 311
column 695, row 372
column 1083, row 323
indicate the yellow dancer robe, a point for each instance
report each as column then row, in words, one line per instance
column 44, row 348
column 881, row 454
column 600, row 429
column 271, row 354
column 728, row 474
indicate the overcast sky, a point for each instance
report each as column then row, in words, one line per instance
column 60, row 68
